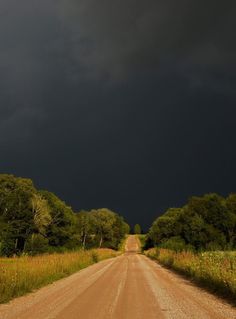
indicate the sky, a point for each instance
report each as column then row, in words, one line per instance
column 129, row 105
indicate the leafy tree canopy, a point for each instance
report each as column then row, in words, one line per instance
column 34, row 221
column 137, row 229
column 204, row 223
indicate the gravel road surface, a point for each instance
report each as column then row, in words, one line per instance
column 130, row 286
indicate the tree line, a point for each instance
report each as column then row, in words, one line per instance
column 204, row 223
column 36, row 221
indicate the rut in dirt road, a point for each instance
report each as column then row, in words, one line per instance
column 130, row 286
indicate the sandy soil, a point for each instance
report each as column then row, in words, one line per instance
column 129, row 286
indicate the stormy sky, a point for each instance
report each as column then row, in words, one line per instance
column 128, row 104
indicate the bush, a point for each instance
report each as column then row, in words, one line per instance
column 7, row 247
column 94, row 256
column 213, row 246
column 36, row 244
column 174, row 243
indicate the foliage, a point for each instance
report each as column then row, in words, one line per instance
column 41, row 211
column 101, row 228
column 142, row 240
column 176, row 243
column 33, row 221
column 85, row 227
column 217, row 270
column 205, row 223
column 36, row 244
column 63, row 220
column 137, row 229
column 16, row 213
column 122, row 244
column 23, row 274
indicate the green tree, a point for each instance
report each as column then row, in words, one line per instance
column 41, row 212
column 137, row 229
column 16, row 211
column 103, row 220
column 38, row 221
column 207, row 222
column 120, row 229
column 85, row 226
column 62, row 226
column 36, row 244
column 166, row 226
column 230, row 222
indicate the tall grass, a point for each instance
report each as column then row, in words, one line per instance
column 216, row 270
column 122, row 244
column 142, row 240
column 24, row 274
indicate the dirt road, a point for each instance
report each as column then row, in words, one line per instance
column 127, row 287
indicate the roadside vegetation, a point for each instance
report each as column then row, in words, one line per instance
column 42, row 239
column 34, row 222
column 137, row 229
column 215, row 270
column 121, row 247
column 199, row 240
column 24, row 274
column 142, row 240
column 205, row 223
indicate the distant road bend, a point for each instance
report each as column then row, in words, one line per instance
column 127, row 287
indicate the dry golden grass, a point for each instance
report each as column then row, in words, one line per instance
column 217, row 270
column 24, row 274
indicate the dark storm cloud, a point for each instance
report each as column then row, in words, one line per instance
column 125, row 104
column 25, row 42
column 121, row 36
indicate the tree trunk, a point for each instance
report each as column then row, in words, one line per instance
column 24, row 246
column 84, row 240
column 231, row 238
column 101, row 240
column 16, row 243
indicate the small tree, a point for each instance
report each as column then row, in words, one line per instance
column 84, row 226
column 137, row 229
column 103, row 220
column 41, row 211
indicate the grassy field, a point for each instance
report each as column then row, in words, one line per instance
column 24, row 274
column 216, row 270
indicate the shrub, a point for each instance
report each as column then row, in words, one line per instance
column 36, row 244
column 174, row 243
